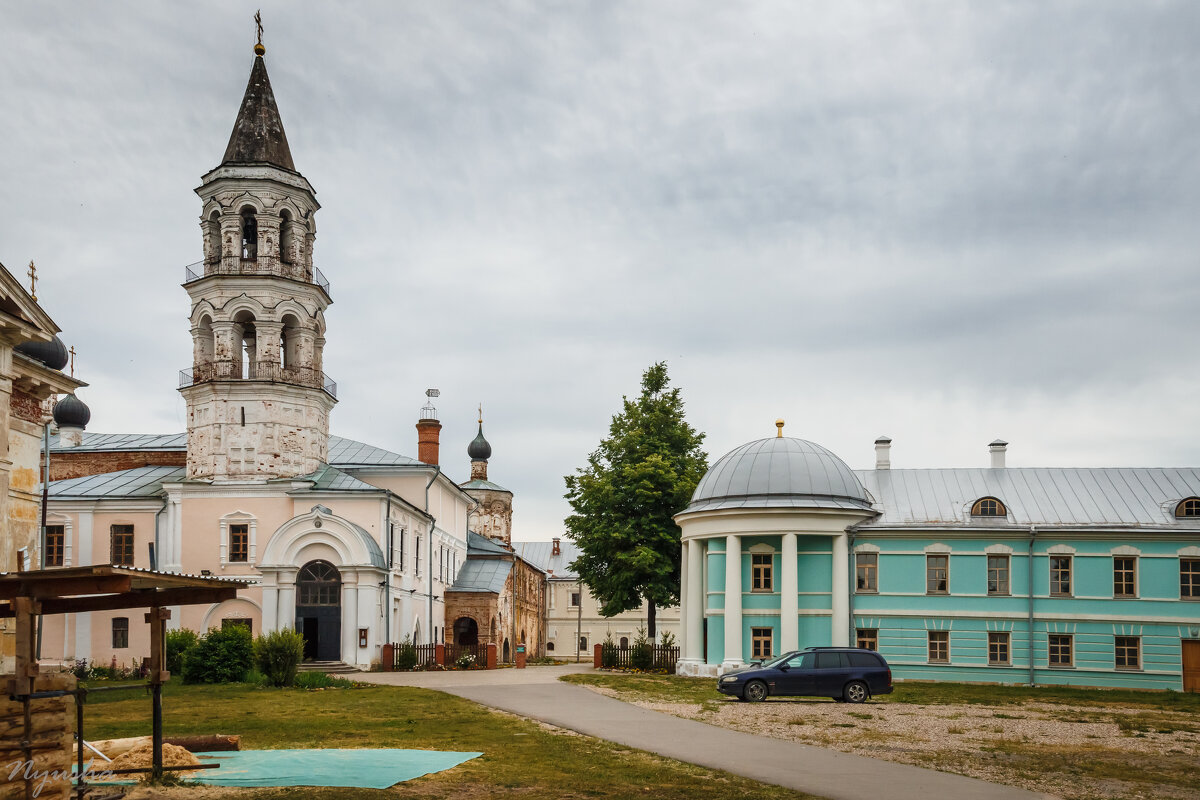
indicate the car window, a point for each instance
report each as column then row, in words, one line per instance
column 830, row 660
column 797, row 661
column 863, row 659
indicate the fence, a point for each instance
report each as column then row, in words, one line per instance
column 455, row 651
column 439, row 655
column 653, row 657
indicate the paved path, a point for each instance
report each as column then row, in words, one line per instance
column 536, row 692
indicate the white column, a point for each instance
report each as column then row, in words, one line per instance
column 683, row 599
column 733, row 602
column 840, row 635
column 789, row 603
column 349, row 617
column 286, row 611
column 270, row 602
column 694, row 607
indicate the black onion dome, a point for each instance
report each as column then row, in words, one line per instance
column 52, row 353
column 71, row 412
column 479, row 449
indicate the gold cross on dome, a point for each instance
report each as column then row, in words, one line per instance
column 481, row 413
column 32, row 273
column 258, row 24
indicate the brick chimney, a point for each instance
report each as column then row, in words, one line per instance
column 429, row 430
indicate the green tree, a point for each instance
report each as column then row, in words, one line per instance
column 624, row 500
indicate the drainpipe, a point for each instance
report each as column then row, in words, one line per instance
column 1032, row 539
column 42, row 536
column 429, row 551
column 853, row 585
column 157, row 535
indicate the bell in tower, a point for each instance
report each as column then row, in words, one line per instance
column 258, row 400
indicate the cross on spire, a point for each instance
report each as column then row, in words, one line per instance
column 258, row 48
column 32, row 273
column 72, row 352
column 481, row 413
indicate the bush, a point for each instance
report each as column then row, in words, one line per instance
column 465, row 661
column 608, row 652
column 407, row 657
column 178, row 643
column 642, row 656
column 278, row 655
column 81, row 669
column 319, row 680
column 223, row 655
column 256, row 678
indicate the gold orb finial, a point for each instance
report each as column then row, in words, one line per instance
column 259, row 50
column 779, row 428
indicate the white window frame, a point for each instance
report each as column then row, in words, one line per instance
column 238, row 518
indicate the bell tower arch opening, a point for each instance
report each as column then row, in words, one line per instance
column 249, row 233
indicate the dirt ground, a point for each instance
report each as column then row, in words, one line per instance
column 1093, row 753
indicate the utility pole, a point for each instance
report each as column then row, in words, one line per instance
column 578, row 620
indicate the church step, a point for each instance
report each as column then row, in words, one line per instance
column 330, row 667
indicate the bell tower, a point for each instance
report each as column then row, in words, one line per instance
column 258, row 401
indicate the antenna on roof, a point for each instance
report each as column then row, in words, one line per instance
column 429, row 411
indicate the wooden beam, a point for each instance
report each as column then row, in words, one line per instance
column 52, row 586
column 147, row 598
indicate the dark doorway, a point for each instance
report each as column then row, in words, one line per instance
column 506, row 651
column 319, row 610
column 466, row 631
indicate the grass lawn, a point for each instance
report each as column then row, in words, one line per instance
column 1075, row 743
column 521, row 758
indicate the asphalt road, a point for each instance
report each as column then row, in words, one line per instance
column 537, row 693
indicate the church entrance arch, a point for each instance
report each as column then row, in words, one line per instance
column 466, row 631
column 319, row 610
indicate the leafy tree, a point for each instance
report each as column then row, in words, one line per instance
column 639, row 477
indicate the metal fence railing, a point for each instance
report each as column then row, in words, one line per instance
column 232, row 371
column 255, row 266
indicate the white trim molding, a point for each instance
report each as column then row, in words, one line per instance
column 1060, row 550
column 238, row 518
column 998, row 550
column 937, row 548
column 1125, row 550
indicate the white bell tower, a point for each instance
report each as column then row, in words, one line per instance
column 258, row 401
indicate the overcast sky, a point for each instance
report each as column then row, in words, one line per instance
column 943, row 222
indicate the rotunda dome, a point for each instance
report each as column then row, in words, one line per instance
column 479, row 449
column 71, row 412
column 52, row 353
column 780, row 472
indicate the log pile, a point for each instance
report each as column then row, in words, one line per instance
column 52, row 741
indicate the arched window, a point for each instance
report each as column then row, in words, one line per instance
column 205, row 346
column 249, row 233
column 289, row 341
column 287, row 233
column 988, row 507
column 624, row 642
column 212, row 238
column 247, row 343
column 319, row 584
column 1188, row 509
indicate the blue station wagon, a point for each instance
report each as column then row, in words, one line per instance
column 846, row 674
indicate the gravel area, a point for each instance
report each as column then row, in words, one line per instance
column 975, row 740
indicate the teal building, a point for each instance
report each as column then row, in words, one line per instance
column 1087, row 577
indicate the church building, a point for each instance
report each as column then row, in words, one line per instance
column 351, row 544
column 998, row 574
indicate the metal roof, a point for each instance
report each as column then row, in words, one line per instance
column 779, row 471
column 331, row 479
column 482, row 545
column 373, row 548
column 349, row 453
column 478, row 484
column 482, row 575
column 138, row 482
column 541, row 555
column 1065, row 497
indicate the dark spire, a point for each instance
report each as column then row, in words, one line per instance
column 258, row 135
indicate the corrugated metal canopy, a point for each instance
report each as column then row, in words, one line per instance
column 482, row 575
column 1118, row 496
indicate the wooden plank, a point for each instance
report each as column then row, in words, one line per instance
column 1191, row 665
column 54, row 586
column 136, row 599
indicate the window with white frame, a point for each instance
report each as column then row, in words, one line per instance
column 762, row 572
column 939, row 647
column 238, row 534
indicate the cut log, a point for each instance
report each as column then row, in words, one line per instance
column 205, row 744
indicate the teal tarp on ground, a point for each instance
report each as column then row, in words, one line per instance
column 362, row 769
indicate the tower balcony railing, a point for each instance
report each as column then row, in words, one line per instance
column 231, row 371
column 255, row 266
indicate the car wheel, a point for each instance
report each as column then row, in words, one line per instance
column 855, row 692
column 755, row 691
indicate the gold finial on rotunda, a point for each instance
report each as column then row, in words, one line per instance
column 259, row 50
column 779, row 428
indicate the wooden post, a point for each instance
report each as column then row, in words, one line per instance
column 157, row 617
column 387, row 658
